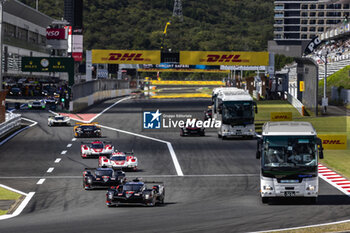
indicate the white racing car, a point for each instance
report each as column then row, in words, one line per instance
column 58, row 120
column 96, row 149
column 119, row 160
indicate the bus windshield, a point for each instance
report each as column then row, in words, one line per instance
column 289, row 151
column 237, row 109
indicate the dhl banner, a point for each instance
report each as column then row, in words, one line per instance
column 224, row 58
column 184, row 70
column 281, row 116
column 101, row 56
column 334, row 141
column 198, row 83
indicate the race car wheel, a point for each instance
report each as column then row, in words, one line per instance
column 219, row 136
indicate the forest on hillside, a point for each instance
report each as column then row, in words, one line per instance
column 222, row 25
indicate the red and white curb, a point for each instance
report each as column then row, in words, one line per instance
column 334, row 179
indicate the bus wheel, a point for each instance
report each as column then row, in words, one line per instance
column 265, row 200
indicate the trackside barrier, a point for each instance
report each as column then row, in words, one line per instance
column 296, row 103
column 12, row 121
column 84, row 102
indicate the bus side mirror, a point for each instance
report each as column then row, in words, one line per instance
column 220, row 108
column 258, row 148
column 319, row 145
column 256, row 107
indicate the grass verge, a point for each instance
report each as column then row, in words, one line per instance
column 7, row 195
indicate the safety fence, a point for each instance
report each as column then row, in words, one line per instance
column 12, row 121
column 296, row 103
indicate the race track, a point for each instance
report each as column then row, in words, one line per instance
column 219, row 191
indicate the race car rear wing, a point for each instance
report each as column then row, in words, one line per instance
column 89, row 142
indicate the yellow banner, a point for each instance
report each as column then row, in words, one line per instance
column 101, row 56
column 334, row 141
column 224, row 58
column 281, row 116
column 302, row 87
column 197, row 83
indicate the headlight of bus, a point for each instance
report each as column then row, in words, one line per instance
column 267, row 187
column 311, row 188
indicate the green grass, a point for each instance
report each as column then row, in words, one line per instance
column 339, row 78
column 338, row 160
column 7, row 195
column 2, row 212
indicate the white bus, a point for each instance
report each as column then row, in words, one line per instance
column 289, row 153
column 235, row 109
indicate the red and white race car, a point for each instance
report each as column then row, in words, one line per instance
column 96, row 149
column 119, row 160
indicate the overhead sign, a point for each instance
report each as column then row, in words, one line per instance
column 334, row 141
column 261, row 68
column 174, row 67
column 100, row 56
column 224, row 58
column 47, row 64
column 313, row 44
column 281, row 116
column 56, row 34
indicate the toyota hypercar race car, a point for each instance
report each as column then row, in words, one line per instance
column 119, row 160
column 87, row 130
column 58, row 120
column 96, row 149
column 192, row 130
column 136, row 192
column 102, row 178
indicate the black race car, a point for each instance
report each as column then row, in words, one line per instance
column 194, row 130
column 87, row 130
column 102, row 178
column 136, row 192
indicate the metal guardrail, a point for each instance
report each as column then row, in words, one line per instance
column 12, row 121
column 296, row 103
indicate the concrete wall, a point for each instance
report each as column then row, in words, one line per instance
column 83, row 102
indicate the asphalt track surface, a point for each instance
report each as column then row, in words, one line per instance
column 218, row 192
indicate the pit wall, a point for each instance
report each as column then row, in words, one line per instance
column 81, row 103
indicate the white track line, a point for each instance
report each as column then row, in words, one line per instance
column 50, row 170
column 106, row 109
column 20, row 208
column 12, row 189
column 69, row 145
column 19, row 131
column 74, row 139
column 170, row 147
column 57, row 160
column 64, row 152
column 41, row 181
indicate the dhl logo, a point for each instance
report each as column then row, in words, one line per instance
column 223, row 58
column 334, row 142
column 280, row 117
column 126, row 57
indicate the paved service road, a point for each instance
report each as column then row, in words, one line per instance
column 218, row 192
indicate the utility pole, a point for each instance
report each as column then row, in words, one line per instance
column 1, row 51
column 177, row 11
